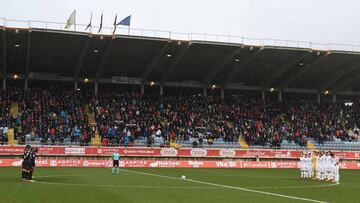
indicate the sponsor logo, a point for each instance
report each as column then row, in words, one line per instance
column 254, row 153
column 74, row 150
column 357, row 155
column 227, row 153
column 99, row 151
column 86, row 163
column 138, row 151
column 196, row 164
column 53, row 163
column 255, row 165
column 165, row 164
column 16, row 163
column 226, row 164
column 198, row 152
column 282, row 155
column 168, row 152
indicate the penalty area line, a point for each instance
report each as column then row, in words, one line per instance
column 230, row 187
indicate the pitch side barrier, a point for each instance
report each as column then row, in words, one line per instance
column 222, row 153
column 166, row 164
column 132, row 157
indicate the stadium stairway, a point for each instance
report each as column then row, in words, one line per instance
column 14, row 110
column 91, row 119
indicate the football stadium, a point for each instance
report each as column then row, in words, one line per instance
column 100, row 112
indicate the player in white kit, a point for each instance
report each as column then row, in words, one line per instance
column 328, row 166
column 302, row 166
column 308, row 166
column 335, row 168
column 322, row 165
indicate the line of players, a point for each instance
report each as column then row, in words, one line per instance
column 28, row 163
column 320, row 166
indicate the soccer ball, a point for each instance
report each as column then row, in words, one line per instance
column 183, row 177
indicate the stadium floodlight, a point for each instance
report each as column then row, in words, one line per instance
column 15, row 76
column 168, row 55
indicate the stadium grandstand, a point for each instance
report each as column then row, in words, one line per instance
column 155, row 88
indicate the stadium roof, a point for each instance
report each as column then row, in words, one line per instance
column 57, row 54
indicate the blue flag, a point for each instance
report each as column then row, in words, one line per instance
column 125, row 21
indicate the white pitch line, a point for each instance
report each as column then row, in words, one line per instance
column 232, row 187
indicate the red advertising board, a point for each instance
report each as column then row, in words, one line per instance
column 164, row 164
column 167, row 152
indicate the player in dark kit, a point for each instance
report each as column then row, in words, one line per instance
column 31, row 166
column 25, row 162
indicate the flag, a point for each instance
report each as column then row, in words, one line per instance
column 115, row 24
column 125, row 21
column 71, row 20
column 89, row 25
column 101, row 21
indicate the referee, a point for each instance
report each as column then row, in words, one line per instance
column 115, row 157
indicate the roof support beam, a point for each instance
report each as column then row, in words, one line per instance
column 27, row 60
column 153, row 63
column 293, row 77
column 4, row 59
column 103, row 59
column 331, row 79
column 274, row 75
column 214, row 71
column 172, row 67
column 239, row 66
column 80, row 61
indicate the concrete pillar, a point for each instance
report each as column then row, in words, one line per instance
column 334, row 98
column 263, row 95
column 96, row 88
column 76, row 85
column 318, row 98
column 280, row 96
column 161, row 90
column 222, row 94
column 204, row 91
column 26, row 84
column 4, row 83
column 142, row 89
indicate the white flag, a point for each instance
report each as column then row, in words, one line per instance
column 71, row 20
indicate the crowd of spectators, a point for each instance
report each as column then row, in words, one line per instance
column 5, row 118
column 52, row 115
column 123, row 118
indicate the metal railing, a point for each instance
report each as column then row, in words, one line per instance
column 22, row 24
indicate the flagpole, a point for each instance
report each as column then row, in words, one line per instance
column 75, row 21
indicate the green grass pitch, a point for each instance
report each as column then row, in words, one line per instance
column 164, row 185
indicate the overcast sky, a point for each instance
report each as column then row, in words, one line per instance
column 324, row 21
